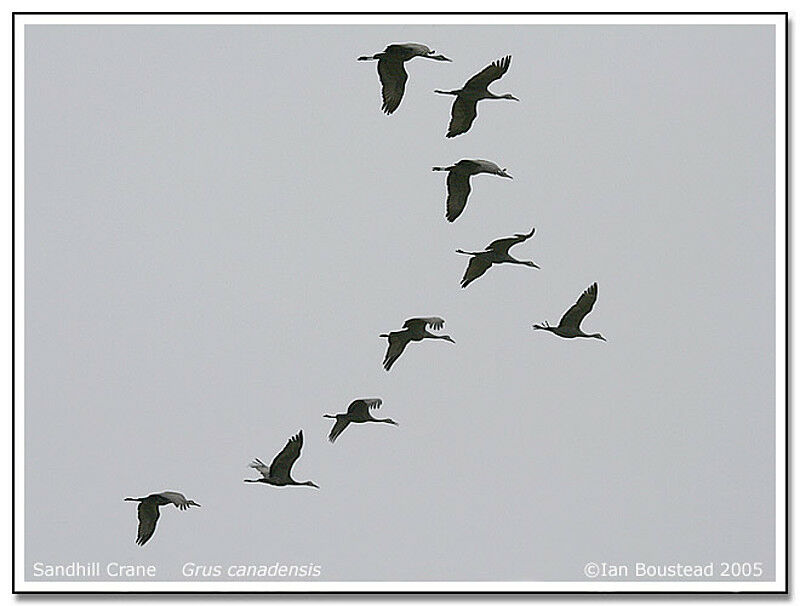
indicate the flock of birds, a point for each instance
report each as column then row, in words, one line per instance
column 393, row 78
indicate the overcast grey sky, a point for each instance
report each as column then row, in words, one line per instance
column 220, row 221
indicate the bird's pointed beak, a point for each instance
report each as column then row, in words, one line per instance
column 506, row 175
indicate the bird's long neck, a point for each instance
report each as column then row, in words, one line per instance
column 140, row 499
column 447, row 92
column 445, row 168
column 332, row 416
column 390, row 421
column 510, row 259
column 374, row 57
column 430, row 335
column 464, row 252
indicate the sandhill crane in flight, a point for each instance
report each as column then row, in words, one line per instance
column 148, row 513
column 458, row 186
column 497, row 252
column 357, row 412
column 392, row 72
column 570, row 325
column 414, row 329
column 279, row 472
column 465, row 107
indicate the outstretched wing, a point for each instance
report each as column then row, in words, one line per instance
column 393, row 77
column 504, row 244
column 281, row 466
column 261, row 467
column 478, row 265
column 489, row 74
column 147, row 513
column 434, row 322
column 462, row 115
column 583, row 306
column 338, row 427
column 397, row 343
column 408, row 49
column 363, row 406
column 176, row 499
column 458, row 189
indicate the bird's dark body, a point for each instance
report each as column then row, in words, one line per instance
column 404, row 52
column 392, row 71
column 148, row 513
column 357, row 412
column 569, row 326
column 465, row 107
column 414, row 329
column 279, row 472
column 458, row 185
column 496, row 253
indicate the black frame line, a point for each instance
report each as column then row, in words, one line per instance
column 787, row 318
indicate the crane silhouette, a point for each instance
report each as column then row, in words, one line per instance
column 465, row 107
column 279, row 472
column 392, row 71
column 148, row 513
column 570, row 325
column 497, row 252
column 357, row 412
column 458, row 187
column 414, row 329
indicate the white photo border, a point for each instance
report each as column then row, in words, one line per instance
column 779, row 585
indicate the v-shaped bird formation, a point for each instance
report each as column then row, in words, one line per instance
column 464, row 111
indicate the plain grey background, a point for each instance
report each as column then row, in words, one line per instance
column 220, row 221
